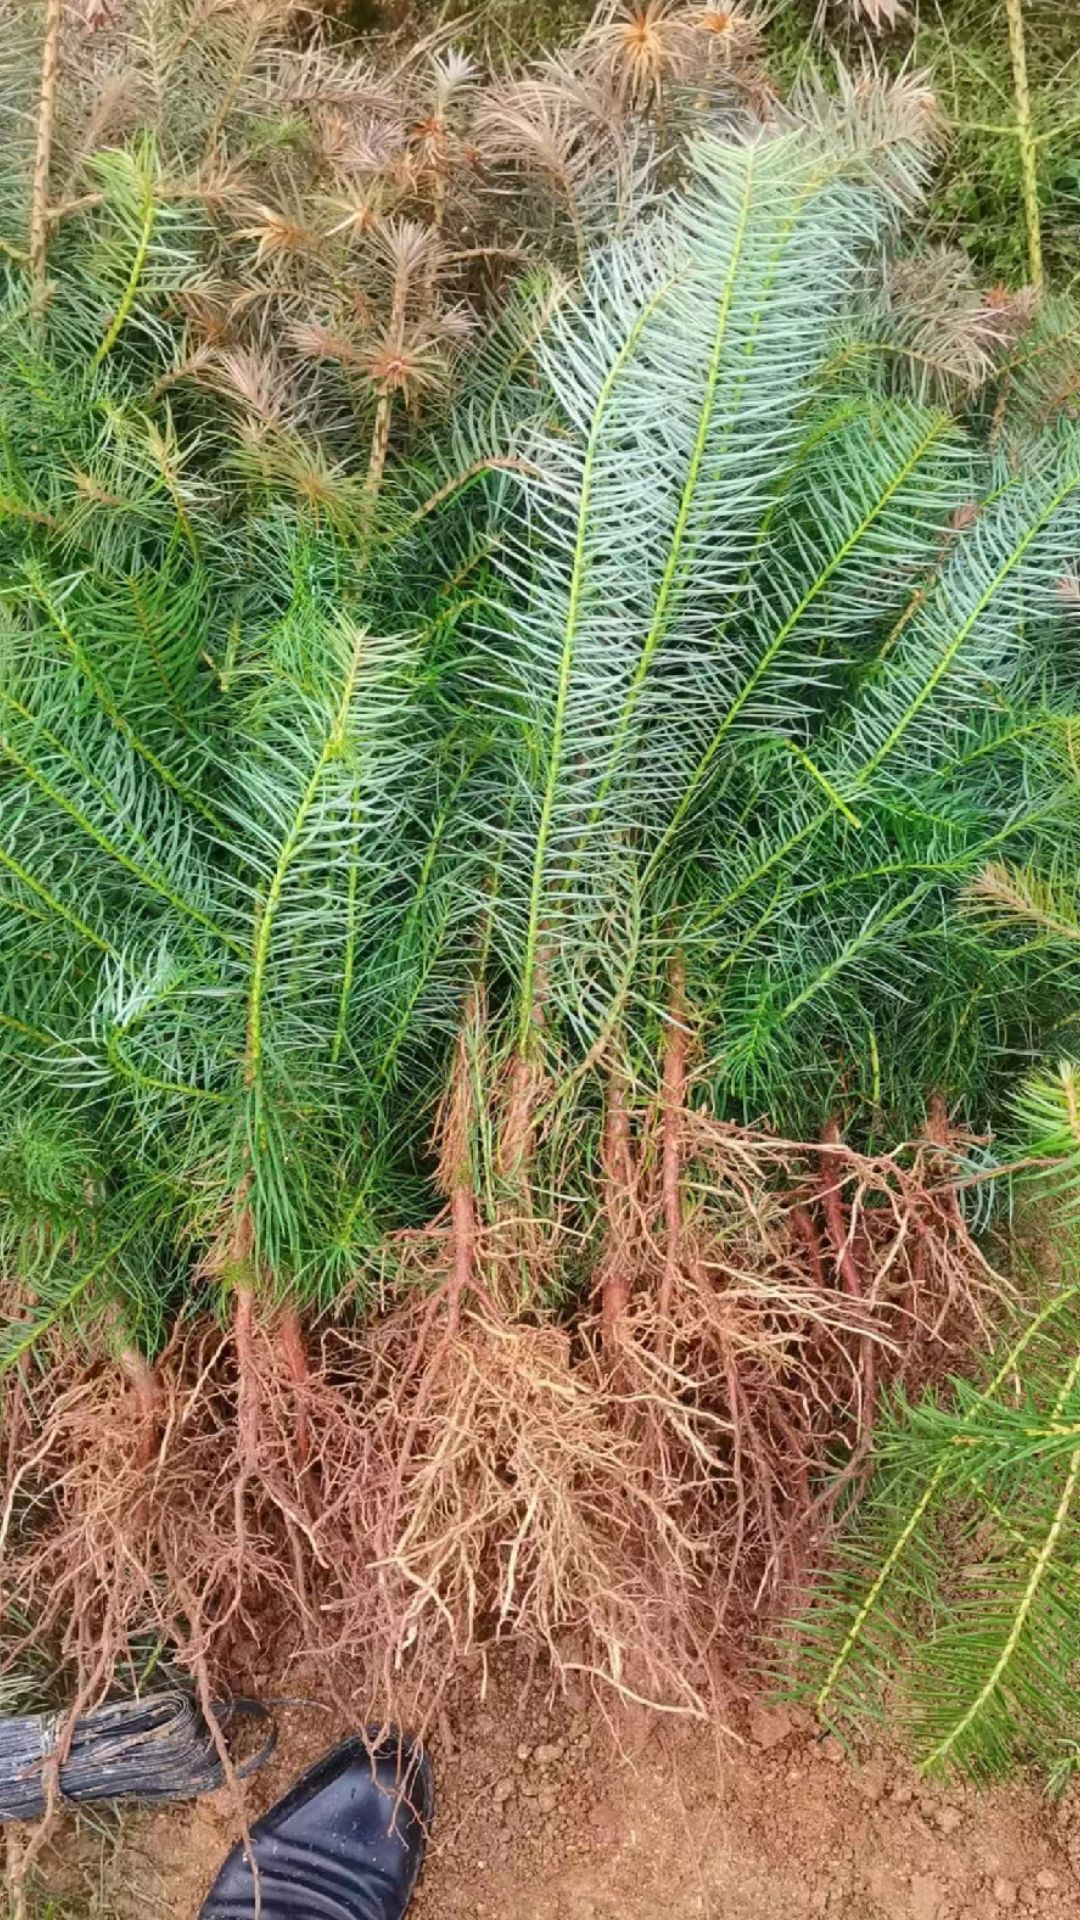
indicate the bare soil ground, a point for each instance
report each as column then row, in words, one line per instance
column 540, row 1818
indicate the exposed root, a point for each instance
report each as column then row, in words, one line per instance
column 749, row 1363
column 106, row 1550
column 519, row 1510
column 623, row 1492
column 685, row 1445
column 849, row 1251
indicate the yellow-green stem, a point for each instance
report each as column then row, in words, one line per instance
column 1026, row 138
column 127, row 299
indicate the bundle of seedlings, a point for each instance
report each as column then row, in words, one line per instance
column 430, row 933
column 180, row 1129
column 771, row 710
column 200, row 755
column 258, row 942
column 197, row 755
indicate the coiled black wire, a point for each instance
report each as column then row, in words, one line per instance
column 159, row 1748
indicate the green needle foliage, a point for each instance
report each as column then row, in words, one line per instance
column 953, row 1605
column 214, row 900
column 681, row 421
column 781, row 676
column 1033, row 910
column 223, row 894
column 702, row 667
column 709, row 655
column 622, row 568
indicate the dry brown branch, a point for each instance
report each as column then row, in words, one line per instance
column 39, row 201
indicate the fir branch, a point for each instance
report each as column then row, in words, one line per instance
column 39, row 202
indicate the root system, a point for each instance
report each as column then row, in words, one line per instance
column 626, row 1490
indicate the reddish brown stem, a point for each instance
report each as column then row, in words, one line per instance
column 618, row 1175
column 674, row 1102
column 463, row 1240
column 147, row 1390
column 455, row 1165
column 938, row 1130
column 867, row 1362
column 836, row 1224
column 516, row 1137
column 937, row 1121
column 294, row 1350
column 455, row 1179
column 13, row 1410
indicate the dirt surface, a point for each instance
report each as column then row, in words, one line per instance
column 540, row 1819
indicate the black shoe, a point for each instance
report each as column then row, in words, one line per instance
column 346, row 1843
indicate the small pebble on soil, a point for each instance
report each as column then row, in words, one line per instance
column 927, row 1895
column 769, row 1726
